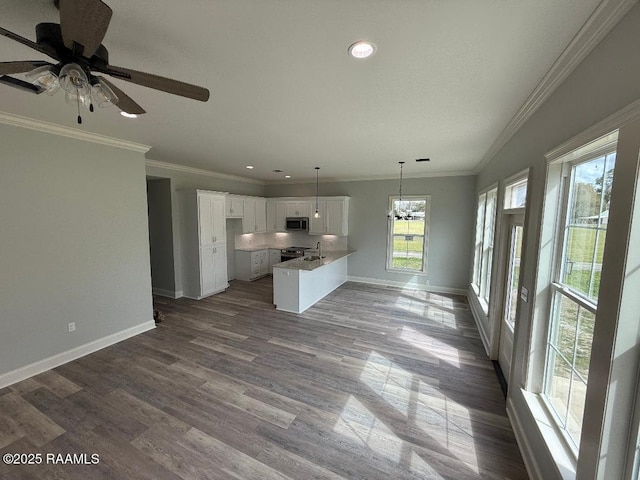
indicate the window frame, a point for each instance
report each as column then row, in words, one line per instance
column 481, row 280
column 390, row 235
column 550, row 251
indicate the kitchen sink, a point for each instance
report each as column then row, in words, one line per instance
column 312, row 258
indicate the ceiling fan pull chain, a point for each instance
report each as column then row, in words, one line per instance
column 78, row 99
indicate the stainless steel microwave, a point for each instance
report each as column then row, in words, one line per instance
column 298, row 223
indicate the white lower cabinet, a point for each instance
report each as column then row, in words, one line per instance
column 251, row 265
column 213, row 269
column 274, row 257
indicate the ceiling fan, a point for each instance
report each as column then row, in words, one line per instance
column 75, row 44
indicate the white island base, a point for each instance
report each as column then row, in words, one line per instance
column 297, row 285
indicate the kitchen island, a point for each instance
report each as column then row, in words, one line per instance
column 300, row 283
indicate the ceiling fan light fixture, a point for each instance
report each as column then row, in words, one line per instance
column 128, row 115
column 102, row 95
column 44, row 78
column 77, row 98
column 73, row 79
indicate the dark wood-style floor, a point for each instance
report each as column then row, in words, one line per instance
column 370, row 383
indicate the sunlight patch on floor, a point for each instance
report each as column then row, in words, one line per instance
column 388, row 380
column 424, row 406
column 359, row 424
column 412, row 305
column 431, row 345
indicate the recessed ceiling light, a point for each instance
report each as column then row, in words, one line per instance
column 287, row 176
column 249, row 167
column 362, row 49
column 128, row 115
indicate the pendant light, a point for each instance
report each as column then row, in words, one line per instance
column 316, row 214
column 392, row 213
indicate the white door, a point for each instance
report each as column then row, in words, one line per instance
column 514, row 226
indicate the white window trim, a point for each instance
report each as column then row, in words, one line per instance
column 425, row 245
column 485, row 301
column 607, row 435
column 494, row 308
column 553, row 231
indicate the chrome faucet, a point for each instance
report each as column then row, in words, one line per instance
column 319, row 247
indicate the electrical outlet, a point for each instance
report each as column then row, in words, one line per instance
column 71, row 327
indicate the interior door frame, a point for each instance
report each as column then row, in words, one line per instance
column 501, row 245
column 507, row 224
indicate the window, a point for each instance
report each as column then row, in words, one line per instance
column 515, row 194
column 408, row 233
column 483, row 254
column 575, row 286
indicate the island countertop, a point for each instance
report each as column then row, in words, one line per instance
column 308, row 265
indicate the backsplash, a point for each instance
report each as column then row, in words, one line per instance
column 290, row 239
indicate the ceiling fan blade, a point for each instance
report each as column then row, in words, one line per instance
column 25, row 41
column 21, row 84
column 84, row 24
column 158, row 83
column 125, row 102
column 9, row 68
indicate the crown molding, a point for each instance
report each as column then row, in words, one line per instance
column 210, row 173
column 62, row 131
column 598, row 25
column 603, row 134
column 461, row 173
column 200, row 171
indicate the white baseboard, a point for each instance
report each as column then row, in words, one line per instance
column 527, row 453
column 478, row 315
column 166, row 293
column 45, row 364
column 416, row 286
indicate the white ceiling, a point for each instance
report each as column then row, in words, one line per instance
column 447, row 78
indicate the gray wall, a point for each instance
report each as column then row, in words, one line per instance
column 180, row 180
column 73, row 244
column 451, row 227
column 160, row 235
column 605, row 82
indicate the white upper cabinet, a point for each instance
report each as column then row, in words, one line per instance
column 211, row 219
column 234, row 206
column 254, row 219
column 261, row 214
column 334, row 217
column 298, row 208
column 276, row 215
